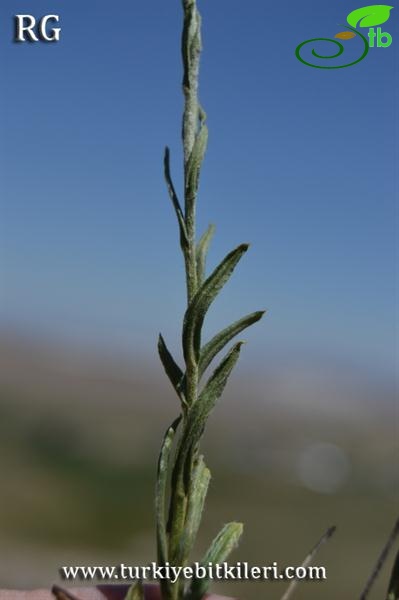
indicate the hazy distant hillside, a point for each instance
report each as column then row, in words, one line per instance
column 293, row 448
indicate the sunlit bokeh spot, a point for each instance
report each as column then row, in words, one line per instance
column 323, row 468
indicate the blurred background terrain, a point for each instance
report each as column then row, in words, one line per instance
column 293, row 448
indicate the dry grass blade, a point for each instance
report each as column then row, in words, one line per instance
column 308, row 560
column 381, row 561
column 393, row 589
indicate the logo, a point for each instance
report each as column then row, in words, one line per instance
column 30, row 29
column 367, row 17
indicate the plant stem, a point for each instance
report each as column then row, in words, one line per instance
column 192, row 122
column 189, row 477
column 191, row 49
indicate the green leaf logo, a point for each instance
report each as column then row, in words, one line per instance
column 368, row 16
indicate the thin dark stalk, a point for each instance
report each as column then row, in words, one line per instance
column 381, row 561
column 308, row 560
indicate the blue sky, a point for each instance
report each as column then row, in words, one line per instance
column 302, row 163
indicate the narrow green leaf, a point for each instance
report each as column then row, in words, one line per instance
column 202, row 251
column 175, row 200
column 135, row 592
column 223, row 544
column 161, row 491
column 172, row 370
column 198, row 489
column 195, row 313
column 393, row 589
column 216, row 383
column 194, row 163
column 219, row 341
column 200, row 411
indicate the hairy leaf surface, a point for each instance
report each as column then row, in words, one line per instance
column 195, row 314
